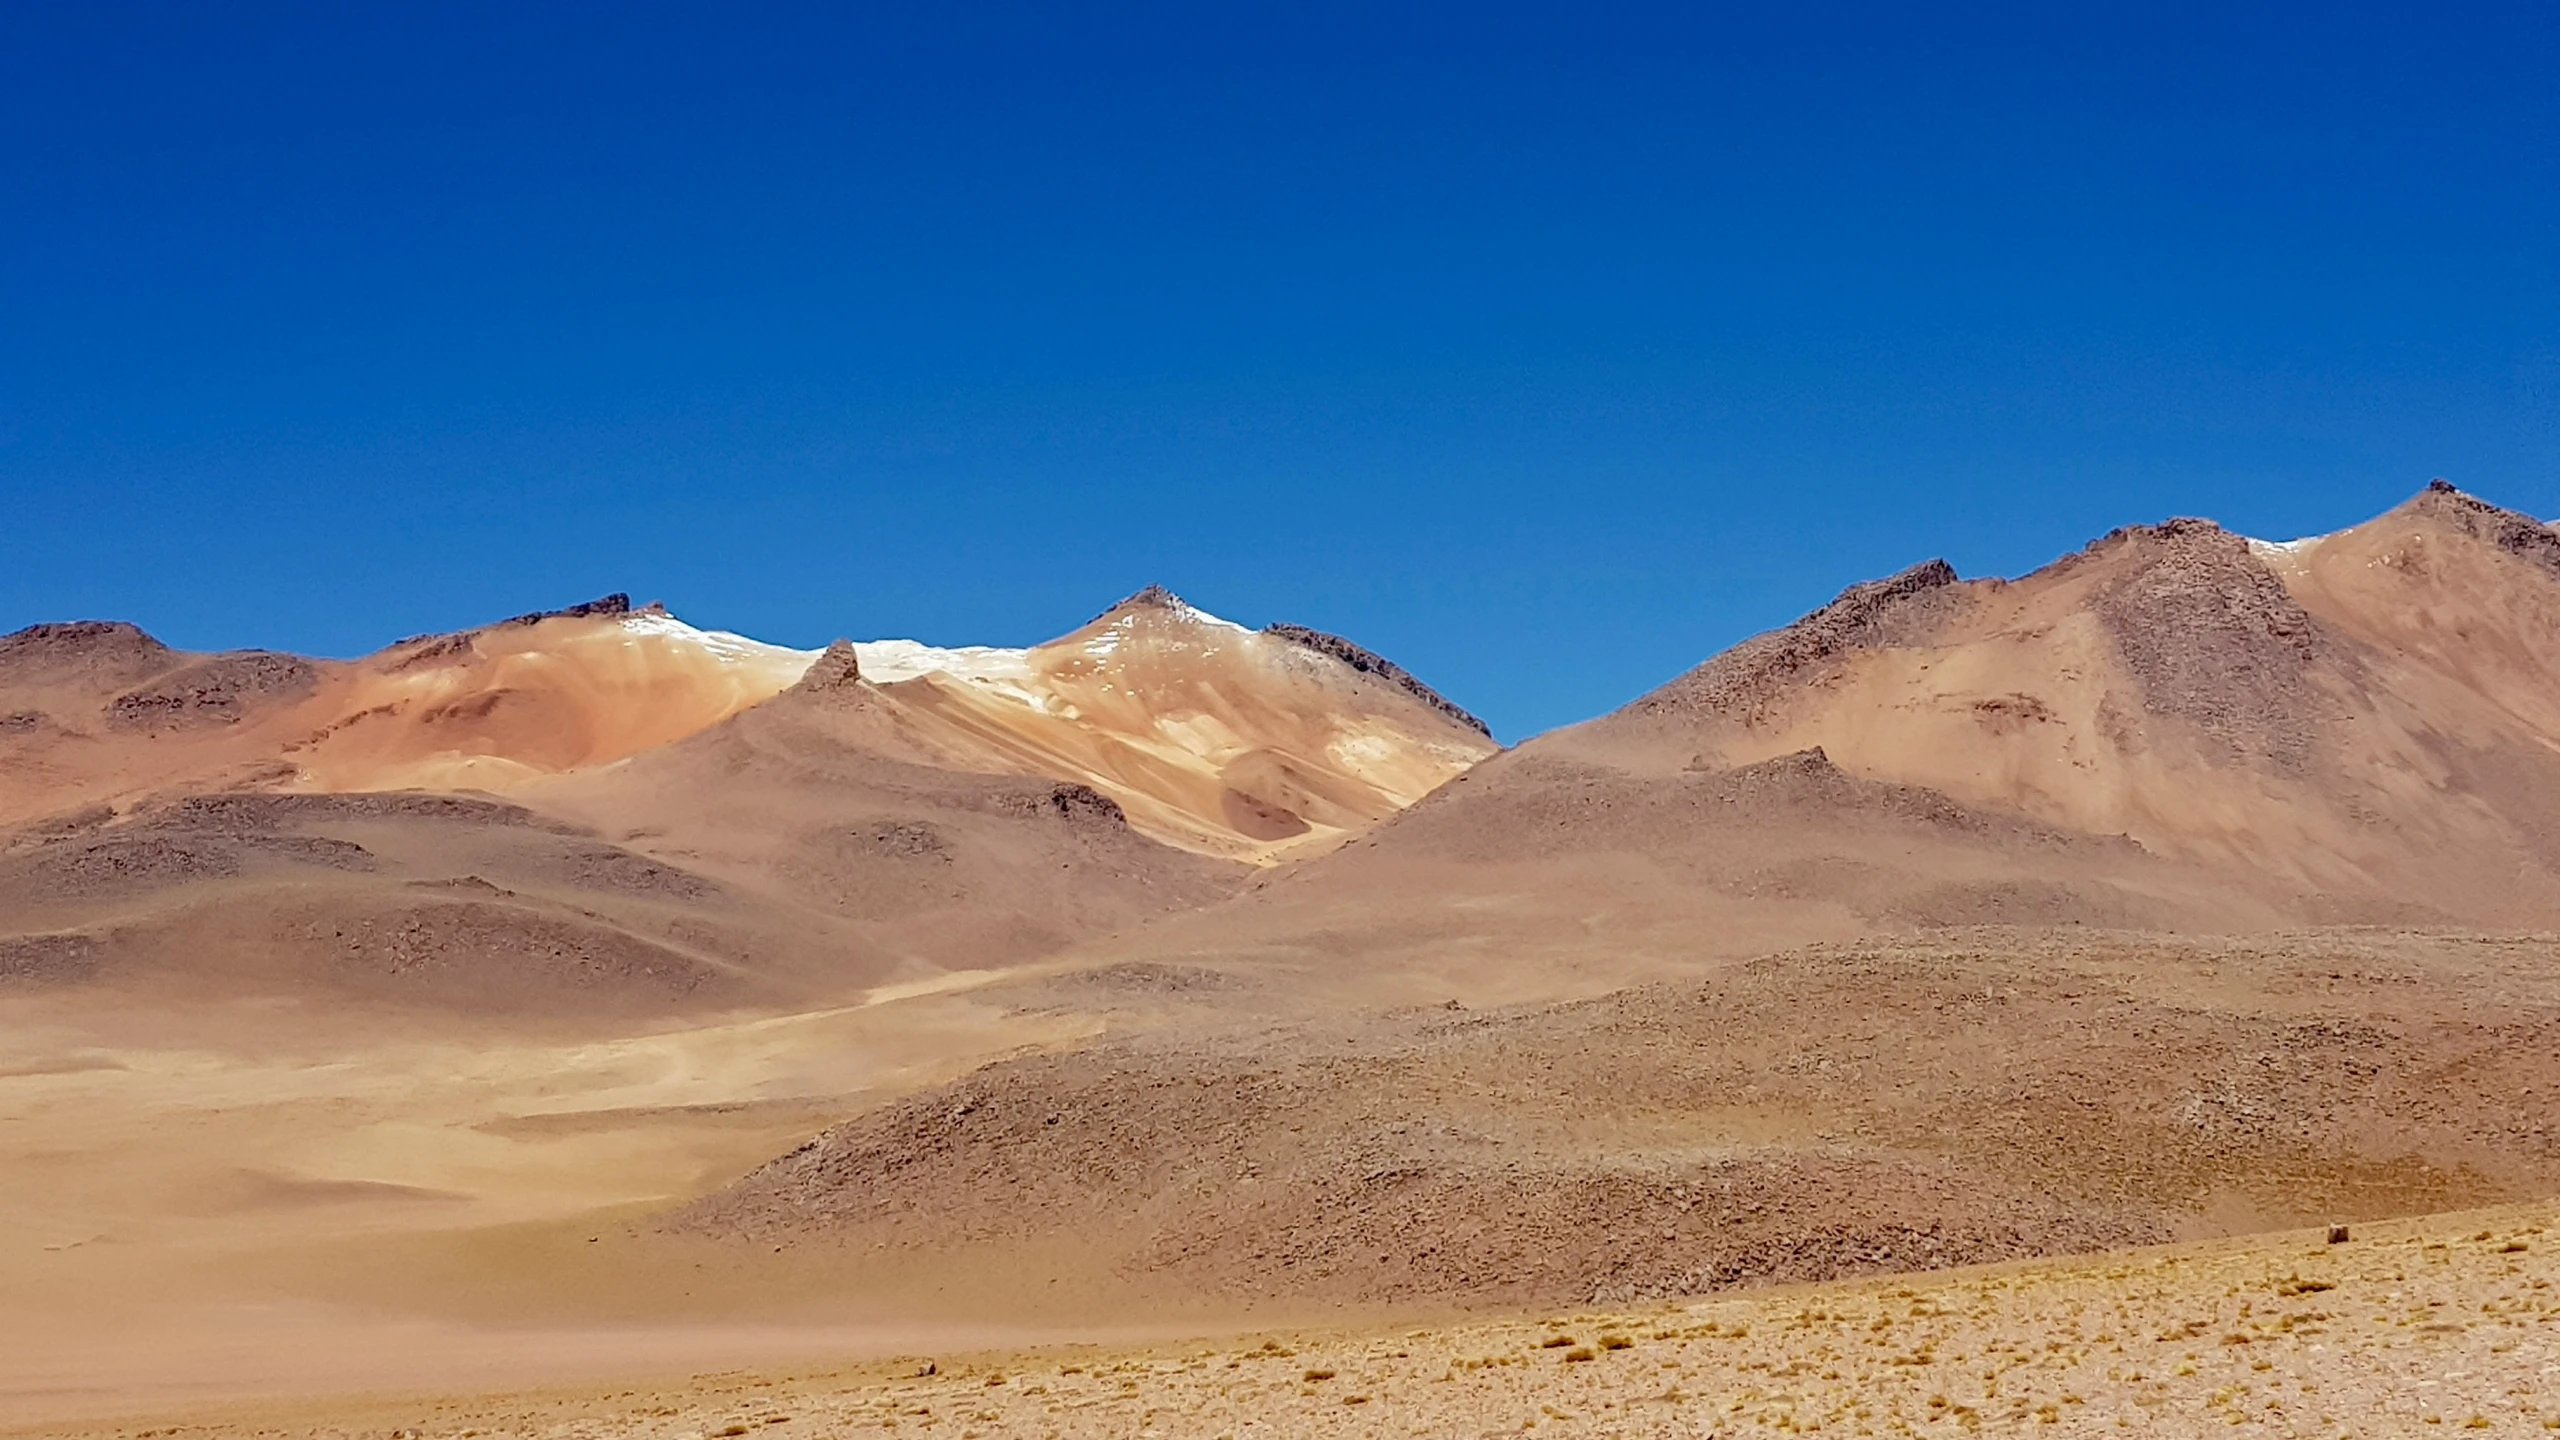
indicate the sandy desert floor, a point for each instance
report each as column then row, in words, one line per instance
column 210, row 1210
column 245, row 1199
column 2411, row 1327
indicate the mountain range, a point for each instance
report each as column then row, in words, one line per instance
column 2191, row 884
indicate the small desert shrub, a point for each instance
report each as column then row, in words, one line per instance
column 1315, row 1375
column 1555, row 1342
column 1576, row 1354
column 1615, row 1342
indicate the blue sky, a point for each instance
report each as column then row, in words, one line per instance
column 1545, row 350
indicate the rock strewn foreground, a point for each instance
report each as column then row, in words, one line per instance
column 2410, row 1328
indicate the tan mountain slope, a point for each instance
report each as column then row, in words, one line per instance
column 376, row 898
column 2176, row 728
column 102, row 713
column 502, row 706
column 1881, row 874
column 1213, row 737
column 2387, row 753
column 803, row 801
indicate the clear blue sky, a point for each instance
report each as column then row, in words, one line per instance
column 1546, row 351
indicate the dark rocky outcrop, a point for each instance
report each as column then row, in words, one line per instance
column 32, row 960
column 835, row 669
column 246, row 811
column 2214, row 639
column 428, row 649
column 1083, row 802
column 1153, row 597
column 1738, row 683
column 216, row 690
column 1368, row 662
column 2516, row 533
column 616, row 603
column 107, row 653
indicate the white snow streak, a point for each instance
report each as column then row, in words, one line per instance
column 1196, row 615
column 1002, row 670
column 884, row 661
column 2268, row 549
column 720, row 644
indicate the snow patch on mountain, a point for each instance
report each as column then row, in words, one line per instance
column 719, row 644
column 884, row 661
column 1198, row 616
column 2273, row 549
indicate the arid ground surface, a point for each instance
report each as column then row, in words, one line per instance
column 2408, row 1328
column 207, row 1208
